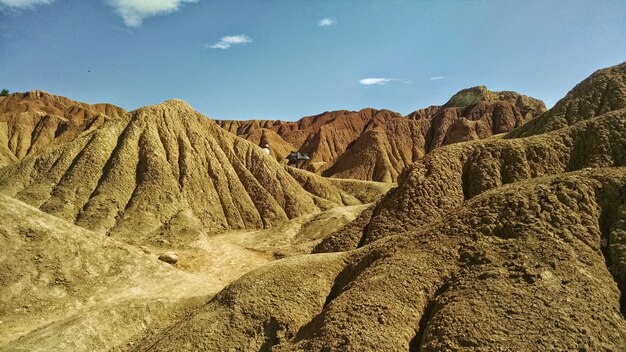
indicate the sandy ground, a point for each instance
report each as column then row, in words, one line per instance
column 90, row 292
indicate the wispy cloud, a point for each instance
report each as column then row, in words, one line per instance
column 228, row 41
column 375, row 81
column 436, row 78
column 326, row 21
column 23, row 4
column 133, row 12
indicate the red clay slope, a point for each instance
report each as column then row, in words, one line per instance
column 377, row 144
column 31, row 121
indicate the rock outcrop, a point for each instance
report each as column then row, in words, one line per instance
column 476, row 113
column 448, row 176
column 602, row 92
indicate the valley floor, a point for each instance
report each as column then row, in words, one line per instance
column 126, row 293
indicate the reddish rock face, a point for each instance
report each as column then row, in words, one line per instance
column 377, row 144
column 31, row 121
column 477, row 121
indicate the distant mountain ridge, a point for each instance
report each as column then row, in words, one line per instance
column 377, row 144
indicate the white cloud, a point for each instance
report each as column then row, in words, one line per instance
column 326, row 21
column 23, row 4
column 436, row 78
column 230, row 40
column 374, row 81
column 134, row 11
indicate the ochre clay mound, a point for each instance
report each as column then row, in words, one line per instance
column 30, row 122
column 376, row 145
column 381, row 153
column 447, row 177
column 523, row 267
column 603, row 91
column 67, row 288
column 164, row 171
column 503, row 243
column 476, row 113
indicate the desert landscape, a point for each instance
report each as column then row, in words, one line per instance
column 506, row 222
column 486, row 220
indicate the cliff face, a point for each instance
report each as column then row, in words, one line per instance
column 377, row 144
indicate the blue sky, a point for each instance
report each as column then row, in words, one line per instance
column 280, row 59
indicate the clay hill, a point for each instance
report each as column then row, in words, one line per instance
column 87, row 219
column 164, row 171
column 32, row 121
column 509, row 243
column 377, row 144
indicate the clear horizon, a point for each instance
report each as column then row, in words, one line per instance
column 284, row 60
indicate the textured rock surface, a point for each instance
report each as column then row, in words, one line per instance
column 603, row 91
column 377, row 144
column 67, row 288
column 520, row 268
column 448, row 176
column 30, row 122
